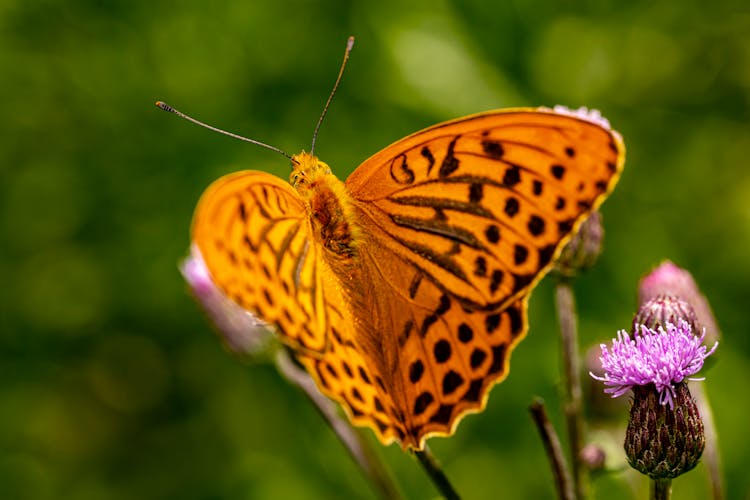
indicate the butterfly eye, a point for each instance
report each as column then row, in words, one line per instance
column 298, row 180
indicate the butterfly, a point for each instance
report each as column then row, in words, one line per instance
column 404, row 289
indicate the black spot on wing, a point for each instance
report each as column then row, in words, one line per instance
column 496, row 279
column 451, row 381
column 493, row 149
column 450, row 162
column 472, row 393
column 560, row 203
column 511, row 206
column 416, row 369
column 465, row 333
column 521, row 281
column 498, row 358
column 477, row 358
column 536, row 225
column 480, row 266
column 516, row 321
column 491, row 322
column 475, row 192
column 426, row 153
column 512, row 176
column 443, row 415
column 520, row 254
column 558, row 171
column 492, row 233
column 422, row 402
column 442, row 351
column 545, row 254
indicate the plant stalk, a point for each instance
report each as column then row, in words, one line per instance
column 552, row 446
column 573, row 405
column 438, row 477
column 355, row 444
column 661, row 489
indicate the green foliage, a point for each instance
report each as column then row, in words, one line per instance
column 112, row 384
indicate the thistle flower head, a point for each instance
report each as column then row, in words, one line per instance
column 584, row 113
column 663, row 357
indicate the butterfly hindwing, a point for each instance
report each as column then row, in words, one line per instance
column 437, row 358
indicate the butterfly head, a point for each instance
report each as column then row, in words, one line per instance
column 307, row 169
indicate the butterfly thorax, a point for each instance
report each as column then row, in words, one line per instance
column 328, row 204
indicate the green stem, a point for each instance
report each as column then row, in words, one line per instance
column 358, row 448
column 438, row 477
column 565, row 302
column 661, row 489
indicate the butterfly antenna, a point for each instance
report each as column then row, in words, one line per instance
column 170, row 109
column 349, row 45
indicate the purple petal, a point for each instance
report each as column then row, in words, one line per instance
column 242, row 331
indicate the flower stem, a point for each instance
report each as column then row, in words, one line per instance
column 358, row 448
column 661, row 489
column 554, row 450
column 438, row 477
column 565, row 302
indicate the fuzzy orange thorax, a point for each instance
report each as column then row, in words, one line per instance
column 328, row 203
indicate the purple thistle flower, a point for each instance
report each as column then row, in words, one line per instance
column 660, row 357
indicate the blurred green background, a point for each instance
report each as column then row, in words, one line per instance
column 112, row 384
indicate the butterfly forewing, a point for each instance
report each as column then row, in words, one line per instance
column 254, row 234
column 481, row 205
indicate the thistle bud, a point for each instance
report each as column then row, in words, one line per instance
column 584, row 247
column 670, row 279
column 663, row 309
column 593, row 457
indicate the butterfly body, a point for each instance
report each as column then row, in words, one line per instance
column 403, row 290
column 328, row 204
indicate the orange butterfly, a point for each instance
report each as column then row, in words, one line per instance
column 403, row 290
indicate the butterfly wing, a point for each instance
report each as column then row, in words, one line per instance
column 254, row 234
column 460, row 221
column 483, row 204
column 437, row 357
